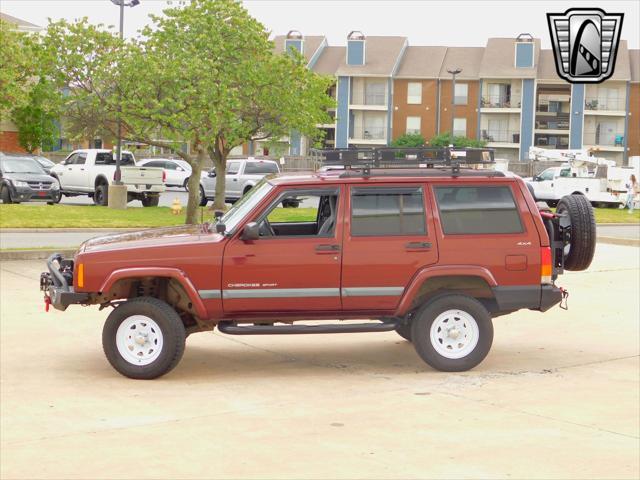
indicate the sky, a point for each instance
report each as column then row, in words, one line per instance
column 451, row 23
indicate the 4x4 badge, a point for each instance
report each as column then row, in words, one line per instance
column 585, row 43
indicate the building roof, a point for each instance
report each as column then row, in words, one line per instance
column 421, row 62
column 309, row 47
column 498, row 60
column 466, row 58
column 21, row 24
column 382, row 54
column 622, row 69
column 329, row 61
column 634, row 64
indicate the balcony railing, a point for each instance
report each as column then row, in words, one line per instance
column 555, row 124
column 551, row 141
column 603, row 103
column 370, row 133
column 499, row 101
column 500, row 136
column 604, row 138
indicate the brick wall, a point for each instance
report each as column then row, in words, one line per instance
column 9, row 142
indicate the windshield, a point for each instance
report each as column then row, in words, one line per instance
column 247, row 203
column 20, row 165
column 45, row 162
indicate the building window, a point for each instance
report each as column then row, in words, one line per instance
column 413, row 125
column 387, row 211
column 459, row 127
column 461, row 94
column 414, row 93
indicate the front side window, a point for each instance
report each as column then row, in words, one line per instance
column 413, row 125
column 233, row 168
column 315, row 216
column 477, row 210
column 387, row 211
column 546, row 175
column 414, row 93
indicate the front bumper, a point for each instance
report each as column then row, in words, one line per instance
column 57, row 284
column 28, row 194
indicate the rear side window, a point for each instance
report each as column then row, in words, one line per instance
column 260, row 168
column 476, row 210
column 108, row 158
column 387, row 211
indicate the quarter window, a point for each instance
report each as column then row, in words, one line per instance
column 476, row 210
column 414, row 93
column 387, row 211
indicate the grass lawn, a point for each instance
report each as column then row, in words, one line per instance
column 90, row 216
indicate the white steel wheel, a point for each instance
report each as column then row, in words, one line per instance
column 139, row 340
column 454, row 334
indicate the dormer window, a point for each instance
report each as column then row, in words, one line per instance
column 524, row 51
column 356, row 48
column 294, row 41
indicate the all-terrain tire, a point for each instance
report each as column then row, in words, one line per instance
column 101, row 195
column 172, row 337
column 582, row 244
column 434, row 340
column 5, row 195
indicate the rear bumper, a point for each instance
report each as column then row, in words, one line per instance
column 532, row 297
column 56, row 287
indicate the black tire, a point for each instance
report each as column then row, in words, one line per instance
column 173, row 337
column 5, row 194
column 56, row 199
column 425, row 318
column 150, row 200
column 404, row 330
column 582, row 243
column 185, row 185
column 203, row 199
column 101, row 195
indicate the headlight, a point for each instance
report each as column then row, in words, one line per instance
column 55, row 185
column 18, row 183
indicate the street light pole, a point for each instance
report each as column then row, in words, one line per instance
column 453, row 72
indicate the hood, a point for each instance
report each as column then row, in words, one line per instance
column 29, row 177
column 154, row 237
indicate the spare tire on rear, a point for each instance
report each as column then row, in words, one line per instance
column 578, row 253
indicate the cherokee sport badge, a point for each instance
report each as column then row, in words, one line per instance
column 585, row 43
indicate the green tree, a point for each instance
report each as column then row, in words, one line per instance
column 204, row 73
column 409, row 140
column 444, row 140
column 36, row 120
column 17, row 68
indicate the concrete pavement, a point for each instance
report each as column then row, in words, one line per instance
column 557, row 397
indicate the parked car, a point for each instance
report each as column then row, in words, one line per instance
column 90, row 171
column 22, row 179
column 431, row 253
column 177, row 171
column 242, row 175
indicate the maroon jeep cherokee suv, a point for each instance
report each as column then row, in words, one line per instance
column 429, row 248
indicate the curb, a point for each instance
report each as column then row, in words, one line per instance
column 35, row 254
column 632, row 224
column 629, row 242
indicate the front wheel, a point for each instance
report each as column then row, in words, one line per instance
column 5, row 194
column 101, row 195
column 452, row 333
column 143, row 338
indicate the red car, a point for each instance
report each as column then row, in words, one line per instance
column 434, row 252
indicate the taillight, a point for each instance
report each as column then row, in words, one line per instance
column 546, row 267
column 164, row 176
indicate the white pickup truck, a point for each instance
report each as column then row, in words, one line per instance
column 90, row 171
column 242, row 175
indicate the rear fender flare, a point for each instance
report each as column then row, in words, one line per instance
column 413, row 289
column 174, row 273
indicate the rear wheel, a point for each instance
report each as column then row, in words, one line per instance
column 143, row 338
column 101, row 195
column 150, row 200
column 452, row 333
column 579, row 251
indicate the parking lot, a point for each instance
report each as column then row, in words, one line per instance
column 557, row 397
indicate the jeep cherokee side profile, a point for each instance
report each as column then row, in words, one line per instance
column 432, row 251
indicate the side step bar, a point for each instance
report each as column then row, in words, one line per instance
column 231, row 328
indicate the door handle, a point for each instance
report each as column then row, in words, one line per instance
column 327, row 248
column 235, row 179
column 418, row 245
column 82, row 169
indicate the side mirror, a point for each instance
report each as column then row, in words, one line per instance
column 251, row 231
column 212, row 173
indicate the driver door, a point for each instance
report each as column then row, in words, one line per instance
column 273, row 273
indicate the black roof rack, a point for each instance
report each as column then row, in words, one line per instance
column 364, row 159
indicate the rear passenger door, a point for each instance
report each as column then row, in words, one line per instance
column 388, row 237
column 231, row 180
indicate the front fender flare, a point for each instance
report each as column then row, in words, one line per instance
column 427, row 273
column 166, row 272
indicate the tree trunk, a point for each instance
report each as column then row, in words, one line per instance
column 220, row 162
column 194, row 188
